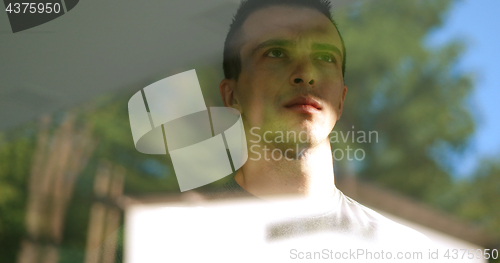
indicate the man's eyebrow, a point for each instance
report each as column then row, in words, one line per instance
column 327, row 47
column 273, row 43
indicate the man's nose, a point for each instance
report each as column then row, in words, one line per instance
column 303, row 73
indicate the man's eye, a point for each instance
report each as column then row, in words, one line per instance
column 276, row 53
column 326, row 57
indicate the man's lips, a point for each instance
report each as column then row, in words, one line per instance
column 304, row 103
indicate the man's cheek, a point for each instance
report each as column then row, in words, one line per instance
column 254, row 110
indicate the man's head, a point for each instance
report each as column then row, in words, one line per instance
column 284, row 63
column 232, row 60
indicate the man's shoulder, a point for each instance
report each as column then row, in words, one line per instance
column 378, row 227
column 224, row 188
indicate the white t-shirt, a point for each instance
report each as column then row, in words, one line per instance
column 336, row 228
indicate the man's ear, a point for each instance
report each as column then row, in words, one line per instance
column 227, row 88
column 341, row 104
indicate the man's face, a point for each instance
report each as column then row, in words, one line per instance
column 291, row 77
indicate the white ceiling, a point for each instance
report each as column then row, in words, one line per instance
column 105, row 46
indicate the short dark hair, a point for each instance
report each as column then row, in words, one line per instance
column 232, row 46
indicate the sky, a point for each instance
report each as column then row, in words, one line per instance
column 477, row 23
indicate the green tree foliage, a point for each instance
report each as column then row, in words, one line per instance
column 410, row 94
column 476, row 199
column 16, row 151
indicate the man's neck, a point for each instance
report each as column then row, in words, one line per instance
column 310, row 175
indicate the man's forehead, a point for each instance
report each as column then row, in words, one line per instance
column 299, row 24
